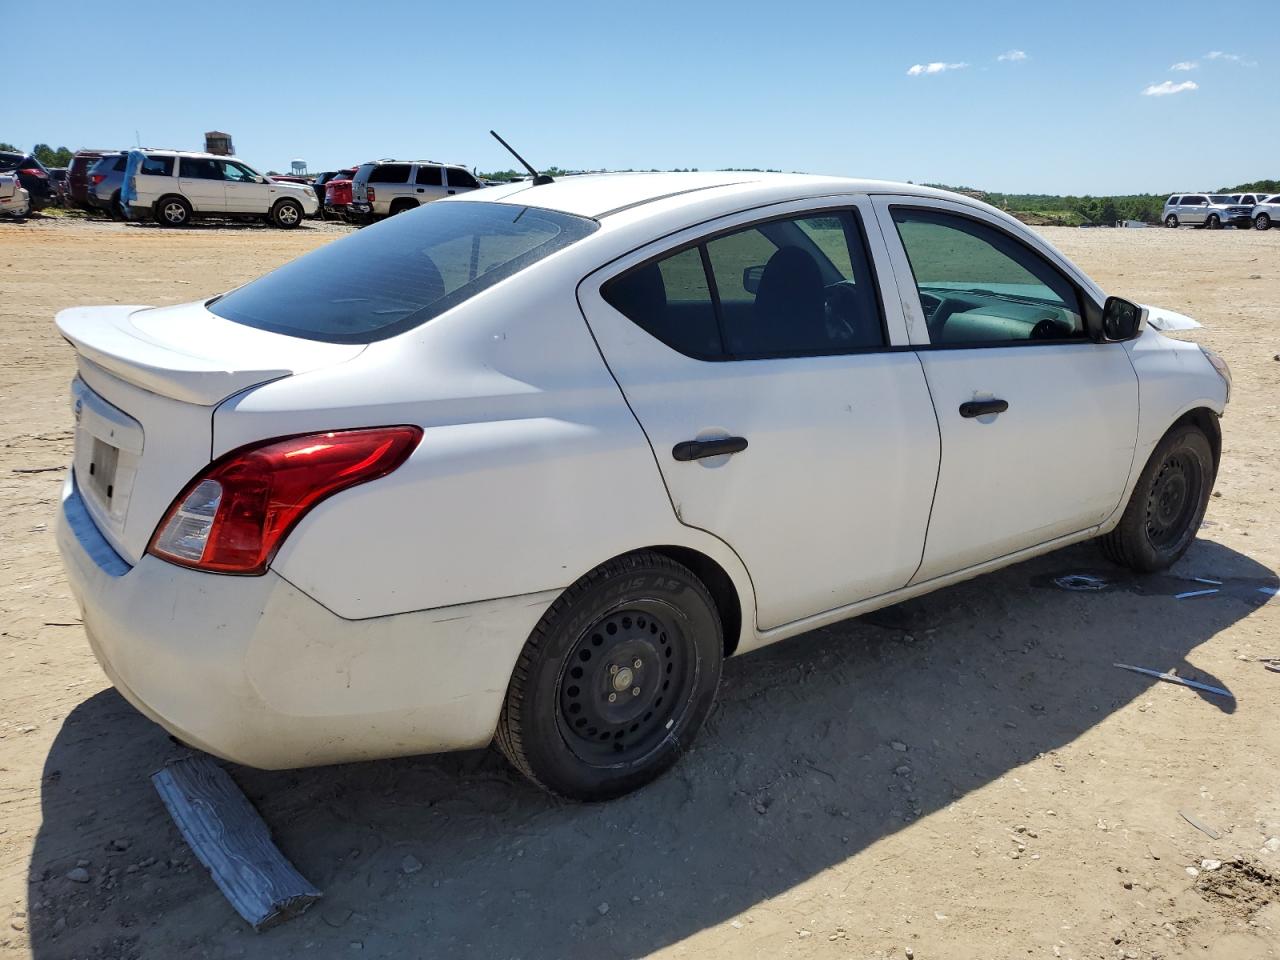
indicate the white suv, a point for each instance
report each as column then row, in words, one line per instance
column 383, row 188
column 174, row 187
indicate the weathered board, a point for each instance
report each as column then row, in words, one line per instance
column 231, row 840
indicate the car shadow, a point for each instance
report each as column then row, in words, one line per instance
column 817, row 748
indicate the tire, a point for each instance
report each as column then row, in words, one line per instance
column 116, row 210
column 1171, row 221
column 1213, row 222
column 402, row 206
column 1262, row 221
column 173, row 211
column 1167, row 506
column 558, row 726
column 286, row 214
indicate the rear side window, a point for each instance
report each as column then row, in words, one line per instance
column 199, row 168
column 430, row 176
column 460, row 178
column 399, row 274
column 157, row 166
column 799, row 286
column 390, row 173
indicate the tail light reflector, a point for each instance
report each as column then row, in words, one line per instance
column 97, row 178
column 369, row 194
column 235, row 514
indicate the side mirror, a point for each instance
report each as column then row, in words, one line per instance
column 751, row 278
column 1121, row 319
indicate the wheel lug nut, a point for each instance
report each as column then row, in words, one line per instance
column 613, row 668
column 637, row 663
column 635, row 691
column 613, row 697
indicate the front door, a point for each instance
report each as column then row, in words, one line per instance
column 1038, row 421
column 246, row 191
column 200, row 179
column 754, row 354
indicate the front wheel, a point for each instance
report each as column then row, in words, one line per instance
column 1167, row 505
column 615, row 680
column 1262, row 221
column 1171, row 221
column 1213, row 223
column 286, row 214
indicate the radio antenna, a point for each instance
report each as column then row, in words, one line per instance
column 539, row 179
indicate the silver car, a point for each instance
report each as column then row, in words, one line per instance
column 383, row 188
column 1266, row 211
column 1212, row 210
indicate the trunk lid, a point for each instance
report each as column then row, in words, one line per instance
column 148, row 382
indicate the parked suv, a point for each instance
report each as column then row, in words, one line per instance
column 33, row 176
column 1266, row 211
column 175, row 186
column 383, row 188
column 1212, row 210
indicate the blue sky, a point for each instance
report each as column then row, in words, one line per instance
column 823, row 87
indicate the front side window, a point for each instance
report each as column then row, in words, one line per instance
column 978, row 284
column 401, row 273
column 429, row 176
column 238, row 172
column 200, row 168
column 1174, row 201
column 461, row 178
column 390, row 173
column 157, row 166
column 800, row 286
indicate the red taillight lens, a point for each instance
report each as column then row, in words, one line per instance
column 369, row 193
column 34, row 172
column 233, row 517
column 97, row 178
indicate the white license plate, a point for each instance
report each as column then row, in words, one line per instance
column 103, row 460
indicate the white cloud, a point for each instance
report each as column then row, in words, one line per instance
column 1168, row 87
column 1185, row 65
column 1230, row 58
column 922, row 69
column 1013, row 56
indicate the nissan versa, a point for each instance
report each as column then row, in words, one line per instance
column 527, row 464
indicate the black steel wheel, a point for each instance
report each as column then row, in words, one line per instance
column 616, row 679
column 1168, row 503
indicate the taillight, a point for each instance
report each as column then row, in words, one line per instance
column 97, row 178
column 34, row 172
column 368, row 193
column 233, row 516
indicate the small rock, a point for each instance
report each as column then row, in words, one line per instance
column 804, row 933
column 334, row 915
column 1192, row 872
column 1255, row 276
column 410, row 864
column 940, row 917
column 82, row 863
column 1210, row 864
column 736, row 924
column 356, row 945
column 1127, row 884
column 78, row 875
column 898, row 745
column 121, row 843
column 1020, row 828
column 902, row 771
column 602, row 909
column 1272, row 845
column 18, row 924
column 761, row 807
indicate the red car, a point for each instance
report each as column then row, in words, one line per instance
column 337, row 193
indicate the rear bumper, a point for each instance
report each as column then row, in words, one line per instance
column 16, row 206
column 254, row 671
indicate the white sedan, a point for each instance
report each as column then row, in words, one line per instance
column 527, row 466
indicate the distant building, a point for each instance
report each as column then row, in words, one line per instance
column 215, row 141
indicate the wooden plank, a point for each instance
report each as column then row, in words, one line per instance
column 231, row 840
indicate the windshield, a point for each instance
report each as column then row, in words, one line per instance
column 400, row 273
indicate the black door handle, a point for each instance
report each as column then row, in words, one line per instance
column 452, row 192
column 699, row 449
column 976, row 408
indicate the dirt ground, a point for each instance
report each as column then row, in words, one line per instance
column 965, row 775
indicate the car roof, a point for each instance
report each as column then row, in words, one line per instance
column 604, row 195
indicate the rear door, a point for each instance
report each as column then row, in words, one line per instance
column 201, row 182
column 755, row 353
column 459, row 181
column 1038, row 422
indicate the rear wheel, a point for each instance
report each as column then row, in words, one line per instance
column 615, row 680
column 1214, row 222
column 286, row 214
column 1167, row 505
column 1171, row 221
column 173, row 212
column 402, row 206
column 1262, row 221
column 117, row 210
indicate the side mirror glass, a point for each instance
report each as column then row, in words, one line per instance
column 751, row 278
column 1121, row 319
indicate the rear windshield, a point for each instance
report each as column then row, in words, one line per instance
column 400, row 273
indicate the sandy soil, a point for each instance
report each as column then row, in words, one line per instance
column 1035, row 809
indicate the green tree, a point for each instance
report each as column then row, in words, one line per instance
column 9, row 147
column 51, row 157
